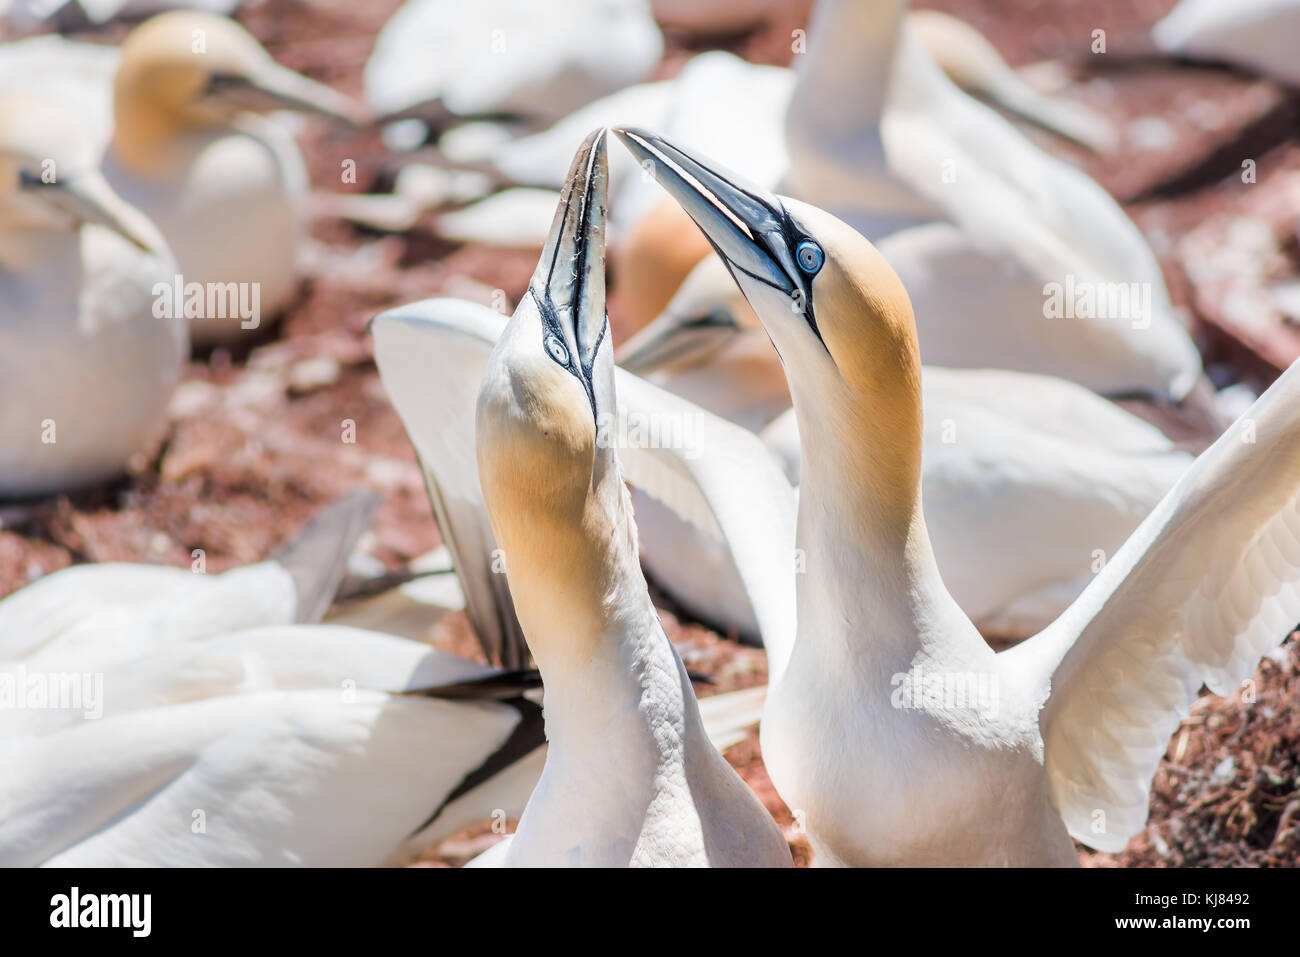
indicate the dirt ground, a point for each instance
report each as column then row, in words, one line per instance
column 254, row 446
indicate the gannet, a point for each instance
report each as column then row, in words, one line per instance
column 223, row 184
column 975, row 66
column 1017, row 260
column 630, row 776
column 86, row 369
column 508, row 57
column 892, row 726
column 1056, row 473
column 1256, row 35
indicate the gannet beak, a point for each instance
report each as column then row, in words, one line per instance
column 273, row 87
column 87, row 198
column 569, row 283
column 747, row 225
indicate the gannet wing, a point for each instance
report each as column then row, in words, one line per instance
column 720, row 478
column 73, row 607
column 1208, row 583
column 431, row 356
column 316, row 558
column 259, row 779
column 714, row 474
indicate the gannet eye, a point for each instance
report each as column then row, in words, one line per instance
column 557, row 350
column 809, row 256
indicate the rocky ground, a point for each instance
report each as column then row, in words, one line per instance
column 255, row 443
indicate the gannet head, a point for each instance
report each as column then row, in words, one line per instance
column 829, row 301
column 545, row 420
column 836, row 312
column 184, row 70
column 49, row 177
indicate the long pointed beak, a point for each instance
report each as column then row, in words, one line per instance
column 87, row 198
column 274, row 87
column 743, row 222
column 569, row 283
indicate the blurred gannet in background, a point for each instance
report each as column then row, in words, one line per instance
column 908, row 741
column 1261, row 36
column 878, row 136
column 175, row 109
column 439, row 58
column 77, row 75
column 1051, row 470
column 975, row 66
column 631, row 777
column 223, row 184
column 86, row 368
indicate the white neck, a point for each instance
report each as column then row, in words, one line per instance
column 871, row 593
column 621, row 718
column 837, row 123
column 843, row 80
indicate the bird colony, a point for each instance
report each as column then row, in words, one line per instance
column 913, row 498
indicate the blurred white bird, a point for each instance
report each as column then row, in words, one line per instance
column 975, row 66
column 891, row 724
column 1019, row 260
column 539, row 62
column 185, row 144
column 86, row 366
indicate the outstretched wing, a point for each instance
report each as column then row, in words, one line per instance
column 1207, row 584
column 431, row 356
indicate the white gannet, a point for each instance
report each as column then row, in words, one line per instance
column 1017, row 259
column 223, row 184
column 456, row 338
column 1055, row 472
column 893, row 727
column 631, row 777
column 440, row 58
column 975, row 66
column 86, row 368
column 1257, row 35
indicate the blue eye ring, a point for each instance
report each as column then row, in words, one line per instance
column 809, row 256
column 557, row 350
